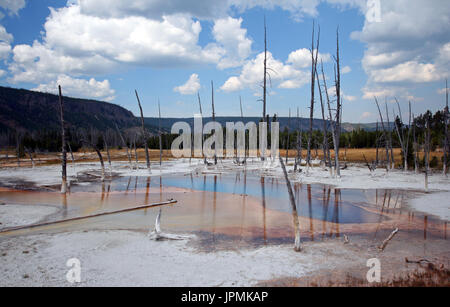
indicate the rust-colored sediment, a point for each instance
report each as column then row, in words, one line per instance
column 222, row 213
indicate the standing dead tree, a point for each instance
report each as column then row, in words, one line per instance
column 388, row 163
column 128, row 149
column 287, row 137
column 377, row 145
column 298, row 242
column 338, row 121
column 108, row 155
column 325, row 144
column 203, row 136
column 265, row 72
column 372, row 167
column 144, row 132
column 427, row 148
column 245, row 138
column 92, row 143
column 63, row 140
column 214, row 119
column 135, row 152
column 264, row 85
column 389, row 133
column 446, row 137
column 403, row 138
column 333, row 125
column 415, row 146
column 298, row 160
column 314, row 57
column 160, row 135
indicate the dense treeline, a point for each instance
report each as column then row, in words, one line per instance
column 361, row 138
column 47, row 140
column 50, row 140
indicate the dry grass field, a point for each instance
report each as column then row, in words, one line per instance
column 85, row 155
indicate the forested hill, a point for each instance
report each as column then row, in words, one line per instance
column 27, row 110
column 31, row 111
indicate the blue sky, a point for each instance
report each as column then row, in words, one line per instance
column 105, row 49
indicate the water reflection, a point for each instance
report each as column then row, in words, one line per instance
column 238, row 208
column 263, row 196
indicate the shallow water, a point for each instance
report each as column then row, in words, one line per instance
column 313, row 201
column 233, row 208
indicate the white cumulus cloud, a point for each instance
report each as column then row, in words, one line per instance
column 5, row 43
column 192, row 86
column 281, row 75
column 346, row 69
column 411, row 44
column 233, row 39
column 301, row 58
column 79, row 88
column 154, row 9
column 12, row 6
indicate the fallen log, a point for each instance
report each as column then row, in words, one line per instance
column 417, row 261
column 385, row 242
column 168, row 202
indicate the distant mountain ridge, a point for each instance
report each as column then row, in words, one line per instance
column 28, row 110
column 292, row 123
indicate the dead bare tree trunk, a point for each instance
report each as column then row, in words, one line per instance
column 135, row 153
column 265, row 72
column 446, row 123
column 90, row 142
column 404, row 140
column 203, row 136
column 245, row 138
column 214, row 119
column 160, row 136
column 372, row 167
column 298, row 242
column 338, row 106
column 287, row 139
column 390, row 138
column 298, row 162
column 63, row 139
column 102, row 163
column 427, row 152
column 377, row 158
column 125, row 145
column 325, row 145
column 314, row 57
column 264, row 80
column 144, row 132
column 415, row 147
column 333, row 125
column 108, row 155
column 384, row 135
